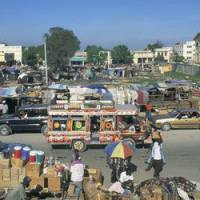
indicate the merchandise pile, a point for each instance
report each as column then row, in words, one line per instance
column 167, row 188
column 21, row 162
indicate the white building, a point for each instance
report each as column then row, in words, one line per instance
column 178, row 49
column 166, row 52
column 145, row 56
column 197, row 53
column 189, row 49
column 14, row 52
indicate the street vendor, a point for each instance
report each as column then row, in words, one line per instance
column 19, row 192
column 77, row 173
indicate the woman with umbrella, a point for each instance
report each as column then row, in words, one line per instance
column 119, row 155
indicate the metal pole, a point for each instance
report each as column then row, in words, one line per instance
column 45, row 58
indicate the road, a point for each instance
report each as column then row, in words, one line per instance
column 181, row 147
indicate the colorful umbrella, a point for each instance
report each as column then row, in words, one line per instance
column 119, row 150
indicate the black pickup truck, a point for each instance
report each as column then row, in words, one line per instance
column 29, row 118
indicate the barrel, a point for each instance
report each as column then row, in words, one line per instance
column 25, row 153
column 18, row 151
column 39, row 157
column 32, row 156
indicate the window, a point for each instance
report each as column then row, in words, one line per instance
column 59, row 123
column 78, row 124
column 37, row 113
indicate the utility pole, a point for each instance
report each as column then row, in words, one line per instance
column 45, row 59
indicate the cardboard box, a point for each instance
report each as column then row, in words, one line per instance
column 37, row 181
column 4, row 163
column 51, row 172
column 34, row 170
column 16, row 162
column 6, row 174
column 96, row 173
column 54, row 184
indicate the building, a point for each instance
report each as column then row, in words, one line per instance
column 11, row 53
column 189, row 50
column 2, row 57
column 197, row 53
column 178, row 49
column 165, row 52
column 145, row 56
column 79, row 58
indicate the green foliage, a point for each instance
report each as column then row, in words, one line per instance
column 96, row 54
column 30, row 56
column 61, row 46
column 178, row 59
column 121, row 55
column 152, row 47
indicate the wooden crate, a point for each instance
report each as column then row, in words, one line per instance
column 16, row 162
column 6, row 174
column 34, row 170
column 54, row 184
column 37, row 181
column 4, row 163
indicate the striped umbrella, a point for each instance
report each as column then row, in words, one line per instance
column 119, row 150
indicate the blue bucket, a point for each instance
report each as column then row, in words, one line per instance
column 25, row 153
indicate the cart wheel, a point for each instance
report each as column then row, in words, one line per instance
column 79, row 145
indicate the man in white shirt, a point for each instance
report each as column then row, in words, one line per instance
column 157, row 159
column 77, row 173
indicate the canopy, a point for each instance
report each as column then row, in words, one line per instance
column 8, row 92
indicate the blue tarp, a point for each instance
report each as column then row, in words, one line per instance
column 8, row 92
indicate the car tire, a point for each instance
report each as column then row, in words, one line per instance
column 44, row 129
column 166, row 127
column 5, row 130
column 79, row 145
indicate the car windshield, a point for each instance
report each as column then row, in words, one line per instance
column 173, row 113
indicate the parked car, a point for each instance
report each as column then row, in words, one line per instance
column 29, row 118
column 181, row 118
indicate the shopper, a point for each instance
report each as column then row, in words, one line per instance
column 77, row 173
column 149, row 108
column 157, row 158
column 19, row 192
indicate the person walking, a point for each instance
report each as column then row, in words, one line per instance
column 19, row 192
column 149, row 108
column 156, row 159
column 77, row 173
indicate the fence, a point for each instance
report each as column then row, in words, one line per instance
column 187, row 69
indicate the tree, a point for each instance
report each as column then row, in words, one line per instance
column 178, row 59
column 156, row 45
column 61, row 46
column 30, row 56
column 96, row 54
column 121, row 55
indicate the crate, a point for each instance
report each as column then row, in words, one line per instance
column 34, row 170
column 6, row 174
column 37, row 181
column 16, row 162
column 54, row 184
column 4, row 163
column 51, row 172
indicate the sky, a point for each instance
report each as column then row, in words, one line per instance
column 134, row 23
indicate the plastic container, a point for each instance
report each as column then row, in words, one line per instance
column 17, row 152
